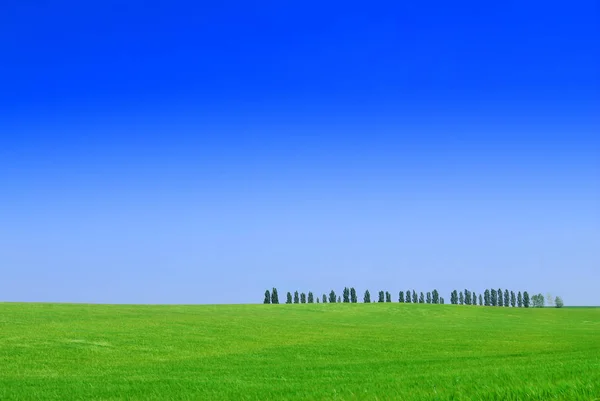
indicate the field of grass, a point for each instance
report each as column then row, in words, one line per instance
column 312, row 351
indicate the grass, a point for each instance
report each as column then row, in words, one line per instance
column 313, row 351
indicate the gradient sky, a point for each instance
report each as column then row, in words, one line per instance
column 175, row 152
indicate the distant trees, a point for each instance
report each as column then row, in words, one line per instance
column 549, row 299
column 349, row 296
column 454, row 297
column 493, row 297
column 346, row 295
column 558, row 302
column 538, row 301
column 489, row 297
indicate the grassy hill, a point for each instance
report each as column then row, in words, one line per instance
column 312, row 351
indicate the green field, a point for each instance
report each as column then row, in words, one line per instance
column 312, row 351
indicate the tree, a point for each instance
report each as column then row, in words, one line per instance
column 442, row 300
column 494, row 298
column 353, row 297
column 267, row 297
column 558, row 302
column 288, row 299
column 461, row 298
column 408, row 297
column 428, row 298
column 324, row 298
column 414, row 297
column 274, row 296
column 480, row 300
column 317, row 299
column 296, row 297
column 421, row 298
column 467, row 297
column 500, row 302
column 513, row 299
column 526, row 299
column 401, row 297
column 454, row 297
column 435, row 297
column 346, row 295
column 303, row 298
column 381, row 297
column 549, row 299
column 538, row 301
column 519, row 300
column 473, row 298
column 311, row 298
column 487, row 298
column 339, row 299
column 506, row 298
column 388, row 297
column 367, row 297
column 332, row 297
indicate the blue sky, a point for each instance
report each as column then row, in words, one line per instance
column 200, row 153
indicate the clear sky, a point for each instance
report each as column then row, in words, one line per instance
column 201, row 152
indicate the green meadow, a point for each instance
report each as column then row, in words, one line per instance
column 386, row 351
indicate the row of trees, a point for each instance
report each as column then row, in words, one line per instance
column 538, row 301
column 491, row 297
column 349, row 296
column 499, row 298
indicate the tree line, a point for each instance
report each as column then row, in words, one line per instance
column 489, row 297
column 349, row 295
column 504, row 298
